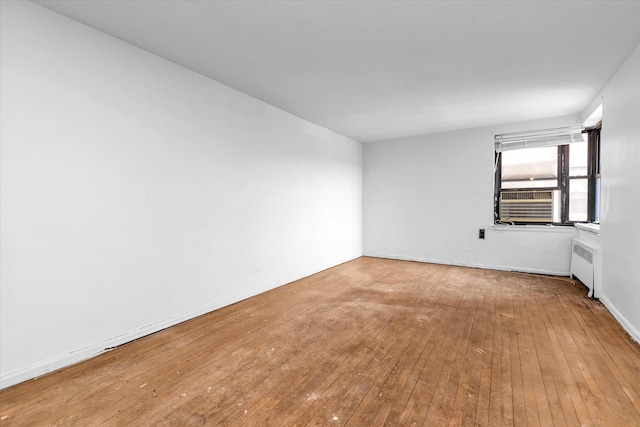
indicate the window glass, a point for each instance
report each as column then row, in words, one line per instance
column 530, row 164
column 578, row 199
column 556, row 206
column 578, row 159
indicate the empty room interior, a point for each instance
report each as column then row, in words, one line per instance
column 279, row 213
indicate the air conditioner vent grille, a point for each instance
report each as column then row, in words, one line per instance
column 526, row 206
column 527, row 195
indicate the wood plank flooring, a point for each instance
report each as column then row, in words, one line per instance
column 371, row 342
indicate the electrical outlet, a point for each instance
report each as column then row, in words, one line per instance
column 481, row 234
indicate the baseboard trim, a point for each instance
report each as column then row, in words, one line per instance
column 32, row 372
column 41, row 368
column 473, row 265
column 635, row 334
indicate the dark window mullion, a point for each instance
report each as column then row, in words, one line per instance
column 563, row 181
column 497, row 186
column 592, row 172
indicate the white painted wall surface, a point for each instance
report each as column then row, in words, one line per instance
column 425, row 199
column 620, row 211
column 136, row 193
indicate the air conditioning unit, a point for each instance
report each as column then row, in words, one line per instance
column 526, row 206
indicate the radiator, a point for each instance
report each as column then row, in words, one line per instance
column 584, row 264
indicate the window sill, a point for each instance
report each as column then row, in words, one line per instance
column 590, row 228
column 534, row 228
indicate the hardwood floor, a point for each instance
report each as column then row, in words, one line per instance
column 372, row 342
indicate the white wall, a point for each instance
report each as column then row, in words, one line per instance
column 136, row 193
column 425, row 199
column 619, row 216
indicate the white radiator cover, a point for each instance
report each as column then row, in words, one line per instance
column 585, row 263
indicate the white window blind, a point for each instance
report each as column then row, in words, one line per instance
column 539, row 138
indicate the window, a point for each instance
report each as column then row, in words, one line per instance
column 550, row 177
column 578, row 181
column 593, row 172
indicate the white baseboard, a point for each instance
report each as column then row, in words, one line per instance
column 38, row 369
column 76, row 356
column 472, row 265
column 635, row 334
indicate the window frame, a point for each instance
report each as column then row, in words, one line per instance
column 593, row 171
column 564, row 178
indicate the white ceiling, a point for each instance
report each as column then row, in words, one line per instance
column 376, row 70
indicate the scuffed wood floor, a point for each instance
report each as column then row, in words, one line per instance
column 369, row 343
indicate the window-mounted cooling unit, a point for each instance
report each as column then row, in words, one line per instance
column 526, row 206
